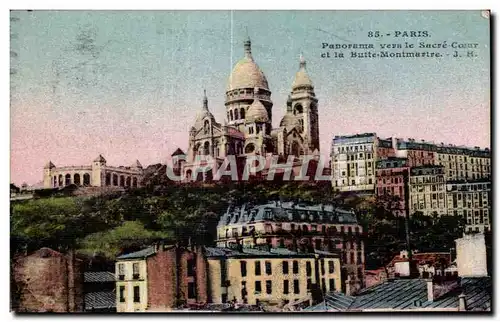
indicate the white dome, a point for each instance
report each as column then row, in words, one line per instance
column 246, row 73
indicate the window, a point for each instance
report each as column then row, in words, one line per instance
column 323, row 267
column 121, row 272
column 296, row 289
column 268, row 268
column 137, row 294
column 135, row 271
column 257, row 268
column 295, row 267
column 243, row 266
column 191, row 290
column 190, row 267
column 308, row 268
column 285, row 267
column 286, row 287
column 332, row 284
column 309, row 284
column 269, row 287
column 122, row 294
column 330, row 267
column 258, row 287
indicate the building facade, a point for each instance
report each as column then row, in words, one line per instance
column 472, row 201
column 297, row 227
column 392, row 179
column 427, row 190
column 417, row 153
column 98, row 174
column 353, row 161
column 248, row 128
column 160, row 278
column 275, row 277
column 463, row 163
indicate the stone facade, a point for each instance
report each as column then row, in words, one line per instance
column 472, row 201
column 48, row 281
column 354, row 159
column 297, row 227
column 248, row 129
column 98, row 174
column 427, row 190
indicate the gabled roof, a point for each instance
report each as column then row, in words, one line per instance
column 178, row 152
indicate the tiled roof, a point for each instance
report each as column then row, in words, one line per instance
column 98, row 277
column 287, row 211
column 411, row 294
column 100, row 300
column 143, row 253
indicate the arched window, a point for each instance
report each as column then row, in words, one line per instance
column 108, row 179
column 298, row 109
column 231, row 115
column 128, row 182
column 206, row 127
column 242, row 113
column 86, row 179
column 295, row 148
column 236, row 114
column 115, row 179
column 76, row 179
column 206, row 148
column 189, row 174
column 67, row 180
column 55, row 181
column 122, row 181
column 250, row 148
column 134, row 182
column 61, row 180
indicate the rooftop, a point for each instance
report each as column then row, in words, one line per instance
column 259, row 253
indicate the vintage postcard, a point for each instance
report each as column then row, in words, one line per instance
column 250, row 161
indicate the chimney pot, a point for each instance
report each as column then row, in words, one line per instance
column 462, row 304
column 430, row 290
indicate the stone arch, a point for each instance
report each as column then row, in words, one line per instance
column 115, row 179
column 86, row 179
column 67, row 179
column 108, row 179
column 134, row 182
column 231, row 115
column 122, row 180
column 296, row 149
column 128, row 182
column 76, row 179
column 61, row 182
column 236, row 114
column 197, row 149
column 206, row 126
column 298, row 109
column 242, row 112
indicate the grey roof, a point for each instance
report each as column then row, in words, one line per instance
column 98, row 277
column 411, row 294
column 287, row 211
column 143, row 253
column 100, row 300
column 255, row 252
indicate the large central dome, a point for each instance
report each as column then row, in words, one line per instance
column 246, row 73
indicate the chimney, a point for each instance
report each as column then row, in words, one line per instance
column 430, row 290
column 462, row 303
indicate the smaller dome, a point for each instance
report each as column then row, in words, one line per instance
column 257, row 112
column 301, row 77
column 289, row 121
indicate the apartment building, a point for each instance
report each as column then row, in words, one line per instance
column 427, row 190
column 463, row 163
column 297, row 227
column 472, row 201
column 160, row 278
column 418, row 153
column 392, row 178
column 353, row 160
column 272, row 276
